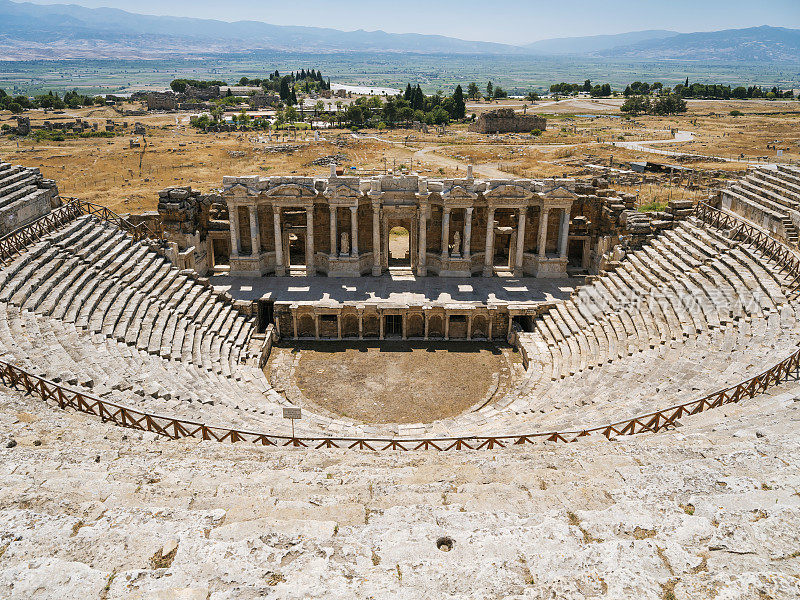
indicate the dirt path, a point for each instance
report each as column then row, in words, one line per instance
column 428, row 156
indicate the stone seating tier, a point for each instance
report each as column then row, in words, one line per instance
column 685, row 315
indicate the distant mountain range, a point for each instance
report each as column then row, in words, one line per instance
column 757, row 44
column 61, row 31
column 597, row 43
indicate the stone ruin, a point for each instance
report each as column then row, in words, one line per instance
column 506, row 120
column 509, row 499
column 161, row 101
column 25, row 195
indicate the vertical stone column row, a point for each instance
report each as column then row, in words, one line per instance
column 543, row 218
column 255, row 234
column 280, row 269
column 354, row 231
column 563, row 233
column 233, row 216
column 488, row 263
column 520, row 242
column 422, row 269
column 445, row 233
column 310, row 241
column 467, row 233
column 334, row 232
column 376, row 239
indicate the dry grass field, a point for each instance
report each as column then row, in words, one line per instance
column 110, row 172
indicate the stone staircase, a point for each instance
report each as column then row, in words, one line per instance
column 769, row 196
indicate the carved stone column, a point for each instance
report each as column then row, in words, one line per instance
column 310, row 241
column 544, row 216
column 280, row 269
column 520, row 242
column 376, row 239
column 445, row 233
column 488, row 262
column 422, row 259
column 467, row 233
column 255, row 234
column 334, row 231
column 354, row 231
column 563, row 233
column 385, row 242
column 233, row 216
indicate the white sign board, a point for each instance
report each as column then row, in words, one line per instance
column 291, row 413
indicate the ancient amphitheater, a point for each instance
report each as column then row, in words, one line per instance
column 645, row 447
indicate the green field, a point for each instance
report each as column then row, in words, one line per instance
column 516, row 74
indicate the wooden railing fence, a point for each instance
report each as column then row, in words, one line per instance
column 176, row 428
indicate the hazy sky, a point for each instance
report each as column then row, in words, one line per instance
column 508, row 21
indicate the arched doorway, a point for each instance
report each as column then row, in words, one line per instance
column 399, row 248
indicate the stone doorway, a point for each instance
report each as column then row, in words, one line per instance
column 221, row 249
column 295, row 244
column 505, row 239
column 393, row 326
column 399, row 248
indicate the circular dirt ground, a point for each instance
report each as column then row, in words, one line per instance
column 392, row 382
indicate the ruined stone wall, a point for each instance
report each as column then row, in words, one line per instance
column 505, row 120
column 596, row 211
column 161, row 101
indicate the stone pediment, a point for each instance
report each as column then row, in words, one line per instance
column 291, row 190
column 342, row 191
column 459, row 193
column 560, row 192
column 516, row 192
column 238, row 190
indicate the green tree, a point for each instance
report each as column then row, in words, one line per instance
column 459, row 105
column 636, row 105
column 405, row 114
column 489, row 90
column 284, row 92
column 473, row 93
column 15, row 108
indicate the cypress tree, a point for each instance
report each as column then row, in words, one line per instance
column 459, row 106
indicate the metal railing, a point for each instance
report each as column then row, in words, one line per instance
column 739, row 228
column 176, row 428
column 139, row 232
column 19, row 239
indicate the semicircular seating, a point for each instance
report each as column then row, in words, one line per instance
column 688, row 313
